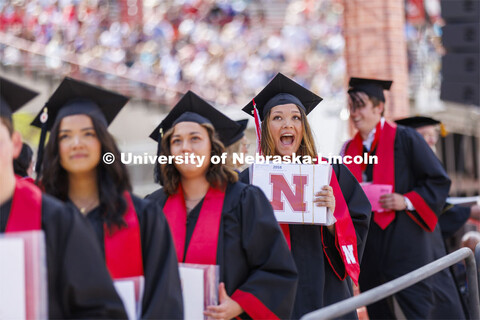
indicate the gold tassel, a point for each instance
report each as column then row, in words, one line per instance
column 443, row 130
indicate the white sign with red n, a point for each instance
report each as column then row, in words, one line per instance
column 291, row 190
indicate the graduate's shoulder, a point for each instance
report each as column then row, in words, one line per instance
column 147, row 208
column 239, row 192
column 59, row 219
column 407, row 133
column 244, row 176
column 54, row 210
column 158, row 194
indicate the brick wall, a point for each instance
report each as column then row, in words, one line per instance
column 376, row 47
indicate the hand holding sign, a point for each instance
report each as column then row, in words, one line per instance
column 393, row 201
column 374, row 192
column 325, row 198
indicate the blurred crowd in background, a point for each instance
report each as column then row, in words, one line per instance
column 223, row 49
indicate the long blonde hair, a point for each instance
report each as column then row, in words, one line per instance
column 307, row 146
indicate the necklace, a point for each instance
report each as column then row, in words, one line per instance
column 84, row 209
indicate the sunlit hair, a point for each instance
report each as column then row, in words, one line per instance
column 307, row 146
column 358, row 100
column 112, row 179
column 218, row 175
column 8, row 124
column 231, row 149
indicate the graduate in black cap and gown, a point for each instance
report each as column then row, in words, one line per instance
column 320, row 253
column 133, row 233
column 453, row 217
column 217, row 220
column 404, row 236
column 78, row 282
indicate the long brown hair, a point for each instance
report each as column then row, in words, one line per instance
column 307, row 146
column 217, row 174
column 112, row 179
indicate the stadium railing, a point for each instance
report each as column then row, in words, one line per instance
column 387, row 289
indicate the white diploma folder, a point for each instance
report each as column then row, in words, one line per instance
column 291, row 189
column 199, row 288
column 23, row 276
column 130, row 291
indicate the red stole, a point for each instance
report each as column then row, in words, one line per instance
column 123, row 248
column 203, row 245
column 383, row 171
column 26, row 210
column 345, row 234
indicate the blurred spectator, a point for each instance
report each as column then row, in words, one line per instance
column 23, row 165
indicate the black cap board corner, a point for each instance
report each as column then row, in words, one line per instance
column 13, row 96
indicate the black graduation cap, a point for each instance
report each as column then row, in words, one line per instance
column 372, row 87
column 240, row 133
column 193, row 108
column 282, row 90
column 13, row 97
column 76, row 97
column 417, row 122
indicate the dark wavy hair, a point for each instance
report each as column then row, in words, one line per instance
column 23, row 161
column 112, row 179
column 217, row 174
column 358, row 100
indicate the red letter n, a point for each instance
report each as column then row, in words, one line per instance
column 280, row 185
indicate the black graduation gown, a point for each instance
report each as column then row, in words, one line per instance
column 252, row 252
column 406, row 244
column 162, row 297
column 452, row 219
column 319, row 285
column 79, row 285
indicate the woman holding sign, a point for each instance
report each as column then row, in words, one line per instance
column 132, row 232
column 325, row 256
column 216, row 220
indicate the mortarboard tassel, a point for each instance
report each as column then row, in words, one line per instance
column 41, row 144
column 443, row 130
column 157, row 174
column 258, row 127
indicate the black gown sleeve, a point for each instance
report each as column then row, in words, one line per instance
column 452, row 219
column 244, row 176
column 162, row 297
column 79, row 283
column 270, row 288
